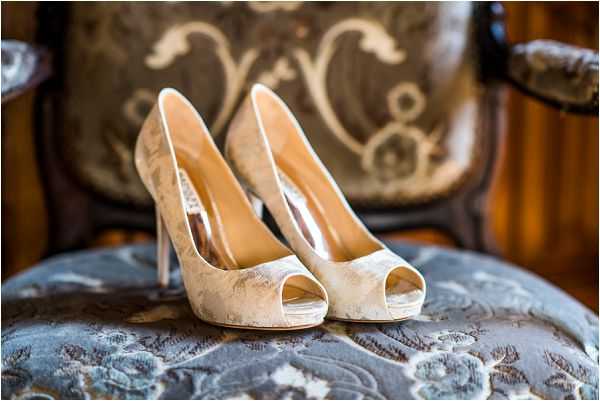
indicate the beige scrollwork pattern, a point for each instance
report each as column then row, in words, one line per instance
column 315, row 69
column 175, row 42
column 406, row 101
column 281, row 71
column 400, row 154
column 410, row 149
column 132, row 108
column 360, row 77
column 397, row 153
column 270, row 6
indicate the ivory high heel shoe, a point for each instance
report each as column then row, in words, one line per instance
column 364, row 280
column 236, row 273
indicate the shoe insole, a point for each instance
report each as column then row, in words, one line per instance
column 326, row 242
column 403, row 292
column 311, row 220
column 211, row 244
column 203, row 219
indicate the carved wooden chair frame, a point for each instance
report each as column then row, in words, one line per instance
column 563, row 76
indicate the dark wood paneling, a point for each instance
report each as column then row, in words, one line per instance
column 24, row 221
column 545, row 202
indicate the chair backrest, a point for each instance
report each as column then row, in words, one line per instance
column 394, row 97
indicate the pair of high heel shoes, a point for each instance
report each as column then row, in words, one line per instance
column 235, row 271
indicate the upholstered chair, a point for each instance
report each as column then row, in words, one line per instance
column 403, row 103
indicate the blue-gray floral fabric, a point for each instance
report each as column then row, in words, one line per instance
column 94, row 324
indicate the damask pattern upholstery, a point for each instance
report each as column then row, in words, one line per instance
column 94, row 324
column 388, row 93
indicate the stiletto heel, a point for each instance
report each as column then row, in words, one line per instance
column 365, row 281
column 235, row 272
column 163, row 246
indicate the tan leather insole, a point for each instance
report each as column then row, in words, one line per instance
column 319, row 210
column 342, row 238
column 317, row 230
column 205, row 224
column 211, row 243
column 224, row 228
column 239, row 240
column 311, row 218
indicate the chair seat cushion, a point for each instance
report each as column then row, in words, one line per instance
column 94, row 324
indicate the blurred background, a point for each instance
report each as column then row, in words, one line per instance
column 543, row 207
